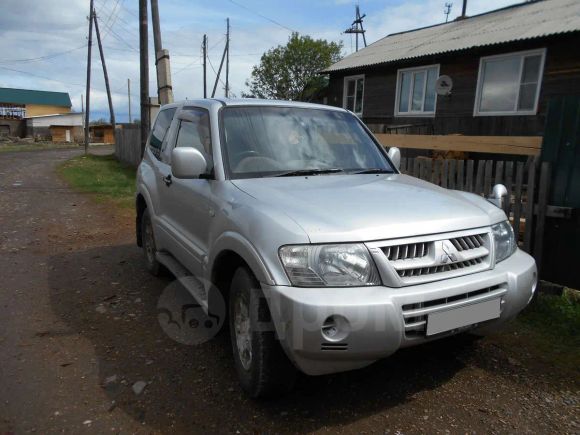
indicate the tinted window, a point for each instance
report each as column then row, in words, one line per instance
column 159, row 130
column 196, row 134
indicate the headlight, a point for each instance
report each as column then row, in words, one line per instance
column 505, row 242
column 344, row 265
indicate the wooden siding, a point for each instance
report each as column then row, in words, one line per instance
column 38, row 110
column 454, row 114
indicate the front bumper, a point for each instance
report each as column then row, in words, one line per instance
column 371, row 320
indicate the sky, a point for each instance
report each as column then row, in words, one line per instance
column 43, row 43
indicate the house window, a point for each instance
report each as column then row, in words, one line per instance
column 416, row 91
column 509, row 84
column 353, row 94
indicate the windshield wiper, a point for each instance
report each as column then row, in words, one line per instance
column 309, row 172
column 374, row 171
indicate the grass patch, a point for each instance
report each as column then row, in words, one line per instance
column 103, row 176
column 552, row 324
column 36, row 146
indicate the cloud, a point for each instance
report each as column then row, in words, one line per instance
column 55, row 31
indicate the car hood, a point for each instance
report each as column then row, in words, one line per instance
column 343, row 208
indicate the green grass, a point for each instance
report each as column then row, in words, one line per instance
column 552, row 326
column 36, row 146
column 102, row 176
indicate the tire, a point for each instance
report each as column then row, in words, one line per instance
column 263, row 368
column 149, row 247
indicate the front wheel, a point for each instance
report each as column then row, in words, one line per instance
column 263, row 368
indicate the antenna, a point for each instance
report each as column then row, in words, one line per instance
column 357, row 27
column 447, row 11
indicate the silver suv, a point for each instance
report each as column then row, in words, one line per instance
column 326, row 256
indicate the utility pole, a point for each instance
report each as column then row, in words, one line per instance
column 88, row 93
column 204, row 46
column 129, row 96
column 447, row 11
column 104, row 65
column 227, row 91
column 144, row 72
column 357, row 27
column 219, row 71
column 164, row 88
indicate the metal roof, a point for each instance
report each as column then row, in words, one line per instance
column 29, row 96
column 513, row 23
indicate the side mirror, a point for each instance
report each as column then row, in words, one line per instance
column 395, row 156
column 498, row 195
column 187, row 162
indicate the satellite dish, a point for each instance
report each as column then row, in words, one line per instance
column 443, row 85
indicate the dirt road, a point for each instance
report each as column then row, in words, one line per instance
column 78, row 327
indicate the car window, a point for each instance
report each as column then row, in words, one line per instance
column 268, row 141
column 196, row 134
column 159, row 130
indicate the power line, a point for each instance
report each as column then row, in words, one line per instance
column 263, row 16
column 48, row 56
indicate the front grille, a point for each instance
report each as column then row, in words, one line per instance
column 415, row 314
column 429, row 258
column 404, row 252
column 438, row 269
column 468, row 242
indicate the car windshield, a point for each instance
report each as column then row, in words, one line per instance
column 288, row 141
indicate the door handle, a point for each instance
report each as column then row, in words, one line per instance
column 167, row 180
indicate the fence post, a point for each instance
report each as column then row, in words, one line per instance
column 518, row 200
column 530, row 201
column 542, row 205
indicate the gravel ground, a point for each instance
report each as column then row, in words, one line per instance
column 79, row 338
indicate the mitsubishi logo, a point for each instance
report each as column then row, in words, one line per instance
column 450, row 253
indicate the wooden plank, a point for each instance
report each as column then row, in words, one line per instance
column 403, row 167
column 479, row 177
column 498, row 172
column 518, row 199
column 530, row 200
column 416, row 172
column 428, row 170
column 436, row 172
column 445, row 173
column 519, row 145
column 509, row 173
column 452, row 164
column 460, row 183
column 544, row 189
column 469, row 176
column 487, row 178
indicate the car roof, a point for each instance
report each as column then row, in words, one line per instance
column 212, row 102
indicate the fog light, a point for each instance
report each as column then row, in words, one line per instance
column 335, row 328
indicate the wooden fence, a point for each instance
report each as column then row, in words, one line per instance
column 513, row 145
column 527, row 184
column 128, row 146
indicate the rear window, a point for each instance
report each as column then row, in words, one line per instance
column 159, row 130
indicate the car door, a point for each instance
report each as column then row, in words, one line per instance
column 186, row 202
column 158, row 139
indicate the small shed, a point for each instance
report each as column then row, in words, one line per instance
column 102, row 133
column 66, row 133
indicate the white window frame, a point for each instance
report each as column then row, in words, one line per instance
column 344, row 90
column 421, row 113
column 515, row 112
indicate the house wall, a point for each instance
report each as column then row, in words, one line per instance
column 12, row 127
column 58, row 133
column 37, row 110
column 454, row 113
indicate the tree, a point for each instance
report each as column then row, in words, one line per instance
column 291, row 72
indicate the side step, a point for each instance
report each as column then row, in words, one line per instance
column 190, row 282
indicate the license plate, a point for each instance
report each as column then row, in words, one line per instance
column 456, row 318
